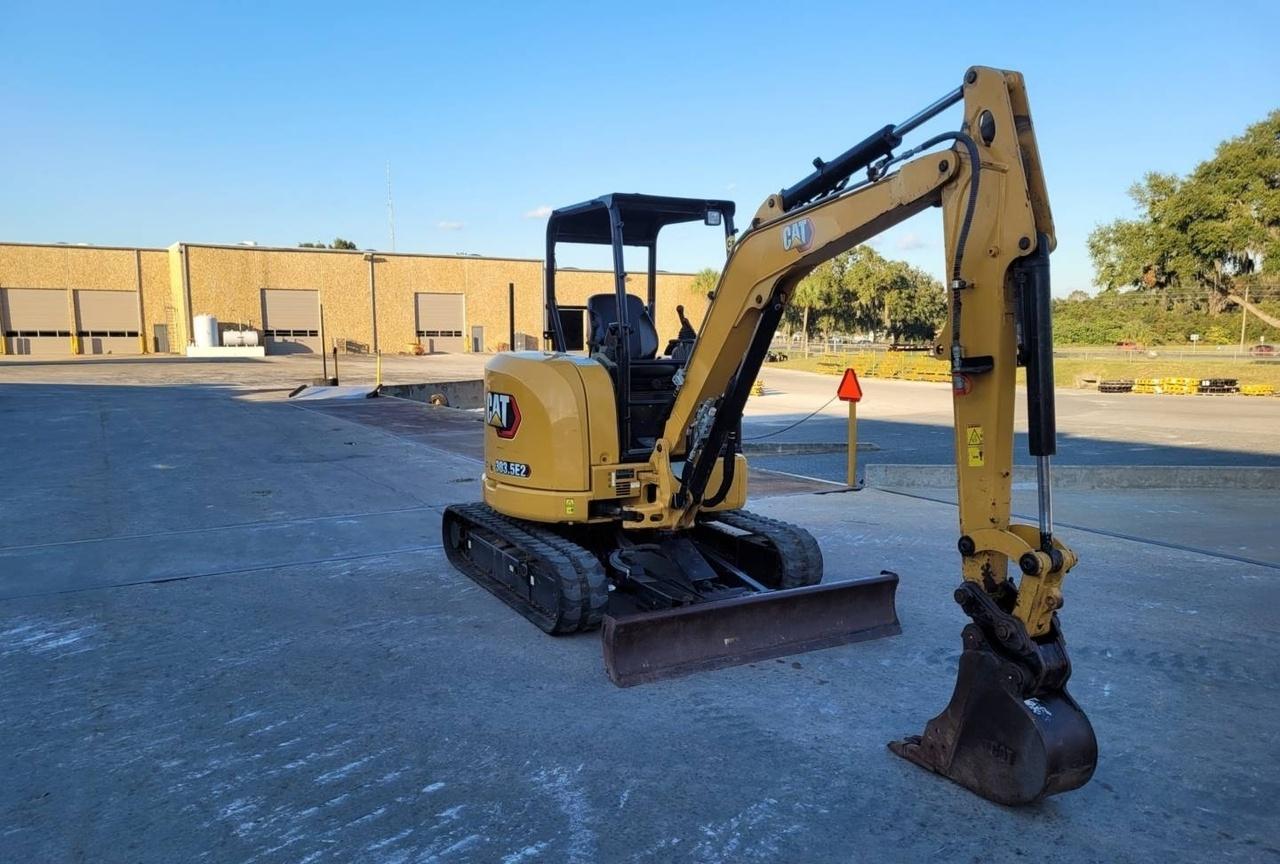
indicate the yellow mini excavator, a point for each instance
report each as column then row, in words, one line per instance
column 614, row 480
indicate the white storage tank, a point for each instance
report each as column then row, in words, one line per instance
column 240, row 338
column 206, row 331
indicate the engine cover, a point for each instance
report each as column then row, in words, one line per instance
column 549, row 419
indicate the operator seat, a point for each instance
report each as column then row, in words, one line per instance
column 602, row 310
column 652, row 389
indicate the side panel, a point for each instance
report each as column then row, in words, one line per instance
column 549, row 418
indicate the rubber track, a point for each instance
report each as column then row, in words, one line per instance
column 799, row 551
column 583, row 593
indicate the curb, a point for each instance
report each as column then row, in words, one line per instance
column 801, row 448
column 1082, row 477
column 467, row 393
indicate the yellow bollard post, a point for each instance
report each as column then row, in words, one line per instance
column 379, row 368
column 851, row 391
column 852, row 474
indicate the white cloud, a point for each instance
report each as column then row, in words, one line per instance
column 451, row 226
column 911, row 240
column 542, row 211
column 731, row 187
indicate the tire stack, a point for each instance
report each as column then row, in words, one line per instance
column 1116, row 385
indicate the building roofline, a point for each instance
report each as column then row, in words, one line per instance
column 88, row 246
column 361, row 252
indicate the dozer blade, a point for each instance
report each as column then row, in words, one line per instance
column 651, row 646
column 1009, row 748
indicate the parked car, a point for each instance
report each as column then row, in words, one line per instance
column 1128, row 345
column 1263, row 350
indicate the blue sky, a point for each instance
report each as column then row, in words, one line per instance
column 275, row 122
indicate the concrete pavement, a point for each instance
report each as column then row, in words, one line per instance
column 278, row 371
column 228, row 634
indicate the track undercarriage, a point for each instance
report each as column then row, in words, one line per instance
column 737, row 587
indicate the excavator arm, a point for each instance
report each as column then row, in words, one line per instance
column 998, row 233
column 1011, row 732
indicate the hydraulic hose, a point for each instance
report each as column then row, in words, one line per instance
column 975, row 168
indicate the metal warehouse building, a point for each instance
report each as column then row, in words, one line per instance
column 59, row 300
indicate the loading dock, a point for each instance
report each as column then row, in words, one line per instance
column 36, row 321
column 291, row 319
column 441, row 322
column 107, row 322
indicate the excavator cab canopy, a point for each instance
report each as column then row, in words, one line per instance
column 643, row 216
column 622, row 329
column 622, row 219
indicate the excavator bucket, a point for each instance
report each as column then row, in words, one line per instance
column 650, row 646
column 1004, row 736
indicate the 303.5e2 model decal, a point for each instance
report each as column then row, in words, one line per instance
column 502, row 413
column 511, row 469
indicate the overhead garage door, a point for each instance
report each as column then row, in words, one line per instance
column 36, row 321
column 441, row 320
column 108, row 322
column 573, row 322
column 291, row 321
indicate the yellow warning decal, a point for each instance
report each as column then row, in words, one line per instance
column 568, row 506
column 973, row 439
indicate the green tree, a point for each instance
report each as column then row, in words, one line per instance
column 817, row 290
column 1150, row 319
column 913, row 303
column 1197, row 239
column 704, row 282
column 861, row 291
column 338, row 243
